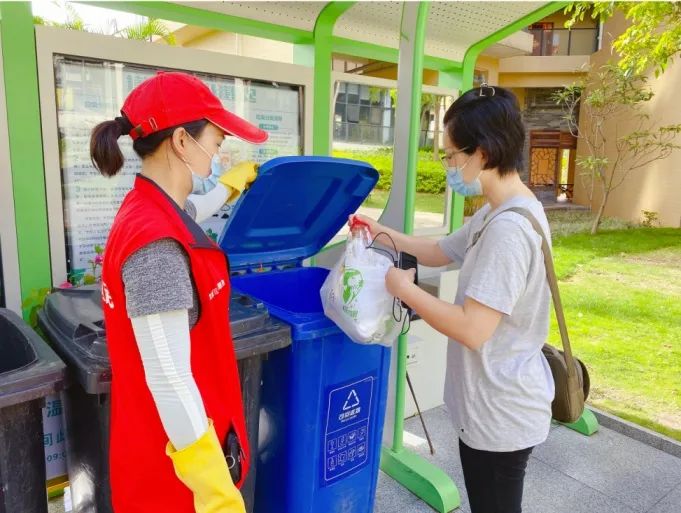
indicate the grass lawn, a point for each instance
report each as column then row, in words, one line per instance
column 621, row 291
column 424, row 202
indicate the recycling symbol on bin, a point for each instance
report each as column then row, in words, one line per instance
column 352, row 284
column 352, row 401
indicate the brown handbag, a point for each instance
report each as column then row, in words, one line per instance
column 570, row 375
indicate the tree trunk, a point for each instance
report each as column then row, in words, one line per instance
column 599, row 214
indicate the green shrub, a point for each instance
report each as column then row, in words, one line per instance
column 430, row 176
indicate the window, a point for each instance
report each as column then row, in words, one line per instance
column 558, row 41
column 363, row 115
column 352, row 113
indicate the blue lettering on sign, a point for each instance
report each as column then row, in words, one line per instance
column 346, row 433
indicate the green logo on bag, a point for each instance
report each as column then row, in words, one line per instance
column 352, row 285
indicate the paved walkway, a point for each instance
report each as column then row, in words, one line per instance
column 570, row 473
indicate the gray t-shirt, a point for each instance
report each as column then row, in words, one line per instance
column 158, row 279
column 500, row 395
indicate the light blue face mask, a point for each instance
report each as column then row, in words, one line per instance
column 201, row 185
column 455, row 181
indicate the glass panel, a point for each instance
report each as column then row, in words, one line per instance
column 376, row 116
column 353, row 93
column 548, row 42
column 564, row 41
column 364, row 114
column 537, row 42
column 431, row 185
column 89, row 91
column 353, row 113
column 340, row 112
column 364, row 95
column 560, row 42
column 583, row 41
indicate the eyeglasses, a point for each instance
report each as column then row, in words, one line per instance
column 445, row 160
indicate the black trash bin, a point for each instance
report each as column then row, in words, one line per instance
column 29, row 371
column 74, row 322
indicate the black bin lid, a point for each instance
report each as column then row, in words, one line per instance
column 29, row 369
column 74, row 321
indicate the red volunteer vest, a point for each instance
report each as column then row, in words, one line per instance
column 142, row 476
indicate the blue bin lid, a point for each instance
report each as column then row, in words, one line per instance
column 294, row 208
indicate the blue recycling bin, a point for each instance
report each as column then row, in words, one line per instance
column 324, row 397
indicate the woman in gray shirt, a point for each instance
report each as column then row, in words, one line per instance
column 499, row 387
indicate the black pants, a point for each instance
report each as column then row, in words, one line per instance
column 494, row 480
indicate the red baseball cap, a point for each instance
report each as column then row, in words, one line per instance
column 169, row 99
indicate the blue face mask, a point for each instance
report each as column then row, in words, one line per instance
column 455, row 181
column 201, row 185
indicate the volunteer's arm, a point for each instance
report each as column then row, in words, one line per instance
column 164, row 345
column 229, row 186
column 202, row 206
column 159, row 296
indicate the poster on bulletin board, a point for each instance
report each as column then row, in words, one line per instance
column 89, row 91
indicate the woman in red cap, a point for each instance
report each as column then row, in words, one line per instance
column 178, row 434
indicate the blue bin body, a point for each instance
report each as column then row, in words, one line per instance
column 324, row 398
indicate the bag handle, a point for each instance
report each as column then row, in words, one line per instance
column 550, row 276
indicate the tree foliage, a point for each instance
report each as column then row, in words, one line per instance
column 653, row 38
column 607, row 95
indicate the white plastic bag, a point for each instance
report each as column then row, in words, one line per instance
column 355, row 297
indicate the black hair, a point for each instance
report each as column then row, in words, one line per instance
column 488, row 118
column 105, row 153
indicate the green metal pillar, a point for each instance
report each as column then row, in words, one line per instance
column 25, row 144
column 414, row 472
column 323, row 53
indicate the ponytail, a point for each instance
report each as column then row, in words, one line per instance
column 105, row 153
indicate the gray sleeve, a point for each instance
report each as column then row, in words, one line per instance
column 157, row 279
column 454, row 245
column 502, row 266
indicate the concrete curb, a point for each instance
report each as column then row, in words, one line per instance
column 643, row 435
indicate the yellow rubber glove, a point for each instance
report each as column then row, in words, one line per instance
column 239, row 178
column 203, row 469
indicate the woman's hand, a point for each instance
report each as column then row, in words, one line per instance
column 374, row 226
column 397, row 281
